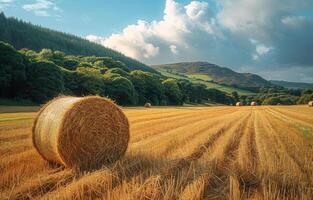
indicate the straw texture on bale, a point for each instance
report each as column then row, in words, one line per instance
column 311, row 104
column 148, row 105
column 238, row 104
column 82, row 133
column 253, row 103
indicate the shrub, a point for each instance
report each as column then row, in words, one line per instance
column 12, row 71
column 120, row 89
column 305, row 99
column 44, row 81
column 172, row 92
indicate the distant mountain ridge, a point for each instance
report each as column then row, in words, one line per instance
column 220, row 75
column 293, row 85
column 21, row 34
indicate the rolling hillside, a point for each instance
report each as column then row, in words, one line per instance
column 21, row 34
column 204, row 79
column 293, row 85
column 216, row 74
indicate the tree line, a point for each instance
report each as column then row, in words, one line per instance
column 26, row 35
column 276, row 95
column 43, row 75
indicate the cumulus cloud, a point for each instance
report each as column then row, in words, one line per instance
column 253, row 35
column 174, row 49
column 196, row 10
column 94, row 38
column 43, row 8
column 171, row 35
column 260, row 49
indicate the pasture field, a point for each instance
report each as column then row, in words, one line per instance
column 205, row 79
column 175, row 153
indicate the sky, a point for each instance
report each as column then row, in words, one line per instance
column 273, row 38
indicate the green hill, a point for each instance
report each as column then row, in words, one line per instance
column 203, row 79
column 21, row 34
column 216, row 75
column 293, row 85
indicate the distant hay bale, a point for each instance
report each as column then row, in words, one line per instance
column 82, row 133
column 253, row 103
column 239, row 104
column 311, row 104
column 148, row 105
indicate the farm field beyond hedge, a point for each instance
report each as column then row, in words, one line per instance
column 175, row 153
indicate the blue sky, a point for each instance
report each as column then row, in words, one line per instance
column 273, row 38
column 99, row 17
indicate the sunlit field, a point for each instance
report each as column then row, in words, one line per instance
column 175, row 153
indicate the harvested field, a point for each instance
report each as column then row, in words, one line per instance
column 176, row 153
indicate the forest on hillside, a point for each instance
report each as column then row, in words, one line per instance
column 26, row 35
column 41, row 76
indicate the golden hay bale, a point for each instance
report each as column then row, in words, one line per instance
column 148, row 105
column 310, row 104
column 239, row 104
column 253, row 103
column 82, row 133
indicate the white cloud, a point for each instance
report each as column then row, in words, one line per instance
column 245, row 16
column 43, row 8
column 255, row 56
column 293, row 20
column 237, row 34
column 5, row 3
column 260, row 49
column 42, row 13
column 257, row 17
column 38, row 5
column 94, row 38
column 145, row 40
column 133, row 41
column 276, row 24
column 197, row 10
column 174, row 49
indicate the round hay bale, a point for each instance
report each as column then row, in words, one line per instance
column 82, row 133
column 253, row 103
column 311, row 104
column 239, row 104
column 148, row 105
